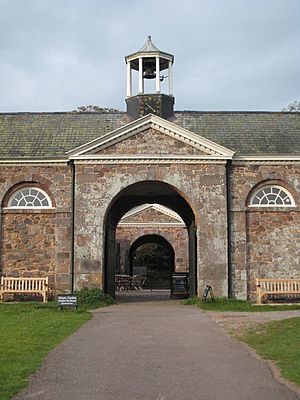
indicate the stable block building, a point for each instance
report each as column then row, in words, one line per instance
column 70, row 182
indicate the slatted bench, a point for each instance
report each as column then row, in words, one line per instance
column 281, row 287
column 24, row 286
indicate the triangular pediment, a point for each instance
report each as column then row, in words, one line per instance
column 151, row 214
column 151, row 136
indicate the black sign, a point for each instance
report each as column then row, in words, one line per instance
column 180, row 284
column 67, row 300
column 208, row 290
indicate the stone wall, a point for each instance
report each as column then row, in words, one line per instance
column 265, row 241
column 273, row 245
column 149, row 141
column 37, row 242
column 202, row 185
column 176, row 236
column 28, row 244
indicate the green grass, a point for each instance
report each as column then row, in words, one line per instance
column 224, row 304
column 29, row 331
column 278, row 341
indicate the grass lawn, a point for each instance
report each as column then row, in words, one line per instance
column 28, row 332
column 224, row 304
column 278, row 341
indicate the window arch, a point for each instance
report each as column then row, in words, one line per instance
column 271, row 196
column 29, row 197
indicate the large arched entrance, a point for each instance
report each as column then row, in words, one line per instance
column 152, row 256
column 135, row 195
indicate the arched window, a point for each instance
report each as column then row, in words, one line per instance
column 272, row 196
column 29, row 197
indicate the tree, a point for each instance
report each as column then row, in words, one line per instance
column 92, row 108
column 292, row 107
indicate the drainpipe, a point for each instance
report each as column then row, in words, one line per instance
column 72, row 165
column 229, row 223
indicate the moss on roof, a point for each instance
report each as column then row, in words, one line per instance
column 247, row 133
column 50, row 135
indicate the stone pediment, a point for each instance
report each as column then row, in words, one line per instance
column 151, row 136
column 148, row 214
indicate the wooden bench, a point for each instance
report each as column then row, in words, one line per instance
column 282, row 287
column 24, row 286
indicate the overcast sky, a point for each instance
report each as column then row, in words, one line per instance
column 56, row 55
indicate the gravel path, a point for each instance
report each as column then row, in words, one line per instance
column 153, row 351
column 237, row 322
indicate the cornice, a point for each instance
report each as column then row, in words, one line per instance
column 151, row 224
column 32, row 161
column 132, row 159
column 155, row 159
column 273, row 159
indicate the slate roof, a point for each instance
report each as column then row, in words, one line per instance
column 50, row 135
column 247, row 133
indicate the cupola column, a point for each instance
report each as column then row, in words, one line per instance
column 141, row 78
column 129, row 79
column 157, row 77
column 170, row 78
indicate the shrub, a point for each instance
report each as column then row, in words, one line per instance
column 93, row 296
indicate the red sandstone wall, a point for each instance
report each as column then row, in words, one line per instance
column 28, row 244
column 273, row 243
column 177, row 237
column 37, row 242
column 266, row 240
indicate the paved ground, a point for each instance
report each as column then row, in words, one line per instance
column 153, row 351
column 146, row 295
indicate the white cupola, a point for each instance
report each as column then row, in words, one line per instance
column 150, row 63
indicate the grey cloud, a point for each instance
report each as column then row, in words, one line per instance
column 57, row 55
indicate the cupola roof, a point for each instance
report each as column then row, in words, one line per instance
column 150, row 50
column 148, row 46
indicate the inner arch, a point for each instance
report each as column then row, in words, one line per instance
column 157, row 265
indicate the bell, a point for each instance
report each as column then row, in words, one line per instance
column 149, row 73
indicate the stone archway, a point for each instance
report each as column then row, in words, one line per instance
column 157, row 265
column 137, row 194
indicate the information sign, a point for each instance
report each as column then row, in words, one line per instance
column 67, row 300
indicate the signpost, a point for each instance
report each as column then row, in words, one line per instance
column 67, row 300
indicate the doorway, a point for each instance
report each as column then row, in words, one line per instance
column 137, row 194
